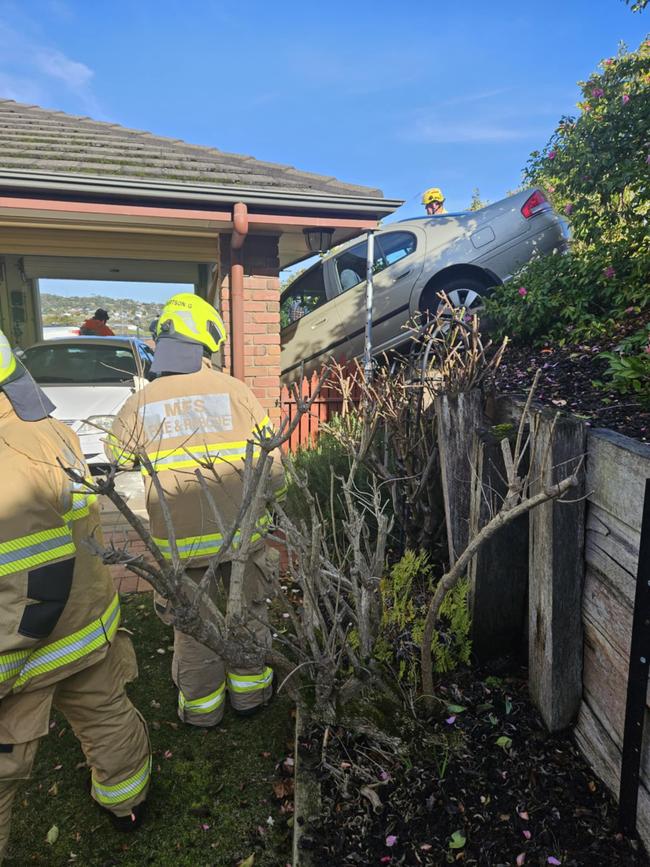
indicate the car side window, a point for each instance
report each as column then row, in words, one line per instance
column 351, row 265
column 395, row 246
column 304, row 295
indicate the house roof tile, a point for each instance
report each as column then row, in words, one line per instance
column 37, row 139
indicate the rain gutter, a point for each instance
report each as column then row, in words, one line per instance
column 93, row 187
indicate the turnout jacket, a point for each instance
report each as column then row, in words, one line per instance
column 58, row 607
column 183, row 422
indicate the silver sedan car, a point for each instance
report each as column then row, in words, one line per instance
column 464, row 254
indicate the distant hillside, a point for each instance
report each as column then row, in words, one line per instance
column 74, row 309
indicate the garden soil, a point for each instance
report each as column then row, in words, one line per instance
column 483, row 784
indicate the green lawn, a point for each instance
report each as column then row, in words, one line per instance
column 211, row 799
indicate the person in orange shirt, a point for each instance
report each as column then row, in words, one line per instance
column 97, row 327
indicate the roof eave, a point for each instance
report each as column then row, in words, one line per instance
column 180, row 192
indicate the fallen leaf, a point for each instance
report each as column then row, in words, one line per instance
column 283, row 788
column 54, row 789
column 52, row 835
column 504, row 742
column 168, row 754
column 247, row 862
column 391, row 840
column 456, row 708
column 457, row 840
column 523, row 815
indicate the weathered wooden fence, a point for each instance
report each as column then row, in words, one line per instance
column 617, row 468
column 328, row 403
column 579, row 571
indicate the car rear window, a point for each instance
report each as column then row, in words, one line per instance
column 94, row 363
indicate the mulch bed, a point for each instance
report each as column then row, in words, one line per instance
column 566, row 381
column 484, row 784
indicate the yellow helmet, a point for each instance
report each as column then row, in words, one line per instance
column 25, row 396
column 189, row 316
column 7, row 359
column 433, row 194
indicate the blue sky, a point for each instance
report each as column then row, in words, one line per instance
column 393, row 95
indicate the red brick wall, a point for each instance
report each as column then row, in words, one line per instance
column 119, row 532
column 261, row 318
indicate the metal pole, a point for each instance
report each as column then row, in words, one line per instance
column 637, row 683
column 367, row 352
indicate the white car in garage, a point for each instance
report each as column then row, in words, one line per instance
column 88, row 379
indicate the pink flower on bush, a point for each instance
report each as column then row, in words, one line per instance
column 597, row 92
column 568, row 208
column 609, row 272
column 550, row 189
column 625, row 98
column 522, row 291
column 608, row 62
column 586, row 107
column 552, row 155
column 647, row 349
column 391, row 840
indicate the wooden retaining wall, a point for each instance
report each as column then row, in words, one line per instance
column 617, row 468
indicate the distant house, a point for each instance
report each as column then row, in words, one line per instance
column 90, row 200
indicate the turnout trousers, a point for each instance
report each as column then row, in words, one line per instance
column 201, row 676
column 113, row 735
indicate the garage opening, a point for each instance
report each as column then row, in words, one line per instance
column 66, row 304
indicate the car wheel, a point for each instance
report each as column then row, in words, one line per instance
column 467, row 292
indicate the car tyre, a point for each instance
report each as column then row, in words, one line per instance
column 468, row 292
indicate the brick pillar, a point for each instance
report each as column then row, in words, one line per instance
column 261, row 317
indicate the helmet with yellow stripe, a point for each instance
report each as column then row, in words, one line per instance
column 16, row 382
column 433, row 194
column 188, row 328
column 191, row 317
column 7, row 360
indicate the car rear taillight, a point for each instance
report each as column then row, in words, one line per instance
column 535, row 204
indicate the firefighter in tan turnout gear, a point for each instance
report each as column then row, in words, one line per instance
column 59, row 612
column 189, row 415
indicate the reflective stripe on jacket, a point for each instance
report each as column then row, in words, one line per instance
column 58, row 606
column 184, row 423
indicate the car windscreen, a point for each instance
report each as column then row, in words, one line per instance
column 77, row 364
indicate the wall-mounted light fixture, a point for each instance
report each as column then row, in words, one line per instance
column 318, row 240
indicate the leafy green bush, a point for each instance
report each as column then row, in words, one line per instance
column 405, row 593
column 568, row 297
column 320, row 463
column 628, row 371
column 595, row 170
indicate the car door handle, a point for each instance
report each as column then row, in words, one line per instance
column 320, row 322
column 403, row 274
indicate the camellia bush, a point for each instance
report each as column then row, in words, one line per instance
column 596, row 171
